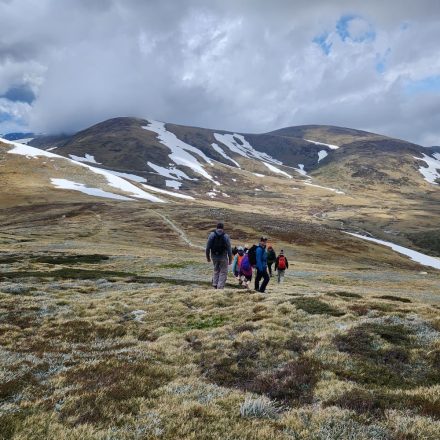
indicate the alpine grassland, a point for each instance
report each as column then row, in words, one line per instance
column 115, row 333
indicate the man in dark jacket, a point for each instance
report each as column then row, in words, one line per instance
column 271, row 258
column 281, row 265
column 261, row 257
column 218, row 249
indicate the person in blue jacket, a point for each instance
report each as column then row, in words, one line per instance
column 261, row 257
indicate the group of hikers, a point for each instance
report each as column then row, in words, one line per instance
column 244, row 260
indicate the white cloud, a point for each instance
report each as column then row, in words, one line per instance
column 241, row 66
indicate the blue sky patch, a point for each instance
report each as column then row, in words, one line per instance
column 342, row 28
column 5, row 117
column 20, row 94
column 426, row 85
column 321, row 40
column 381, row 61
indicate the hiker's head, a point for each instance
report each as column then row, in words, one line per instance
column 220, row 225
column 240, row 250
column 263, row 241
column 281, row 252
column 270, row 247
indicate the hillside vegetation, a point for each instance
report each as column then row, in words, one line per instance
column 109, row 330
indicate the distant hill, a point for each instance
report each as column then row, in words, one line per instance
column 155, row 151
column 339, row 177
column 16, row 136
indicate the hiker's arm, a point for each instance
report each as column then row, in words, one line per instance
column 259, row 258
column 229, row 249
column 287, row 264
column 234, row 264
column 208, row 247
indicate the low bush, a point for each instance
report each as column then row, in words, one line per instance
column 314, row 306
column 291, row 384
column 393, row 298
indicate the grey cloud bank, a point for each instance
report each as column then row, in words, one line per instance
column 249, row 66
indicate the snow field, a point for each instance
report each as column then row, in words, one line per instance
column 96, row 192
column 112, row 180
column 222, row 153
column 321, row 155
column 180, row 151
column 426, row 260
column 238, row 144
column 87, row 158
column 169, row 193
column 332, row 147
column 432, row 172
column 276, row 170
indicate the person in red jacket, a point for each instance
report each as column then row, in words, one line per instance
column 281, row 264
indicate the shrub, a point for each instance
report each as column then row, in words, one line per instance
column 17, row 289
column 343, row 294
column 363, row 401
column 315, row 306
column 359, row 309
column 293, row 383
column 71, row 259
column 355, row 341
column 394, row 298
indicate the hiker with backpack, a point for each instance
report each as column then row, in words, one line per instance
column 281, row 264
column 271, row 258
column 219, row 251
column 261, row 264
column 237, row 262
column 245, row 276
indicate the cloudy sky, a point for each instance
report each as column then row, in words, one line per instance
column 243, row 65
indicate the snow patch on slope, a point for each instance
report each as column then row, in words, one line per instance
column 171, row 172
column 337, row 191
column 97, row 192
column 426, row 260
column 26, row 150
column 432, row 172
column 222, row 153
column 112, row 180
column 276, row 170
column 238, row 144
column 124, row 185
column 169, row 193
column 128, row 176
column 24, row 140
column 87, row 158
column 332, row 147
column 321, row 155
column 173, row 184
column 301, row 170
column 180, row 150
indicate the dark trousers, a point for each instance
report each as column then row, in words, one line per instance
column 262, row 274
column 269, row 266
